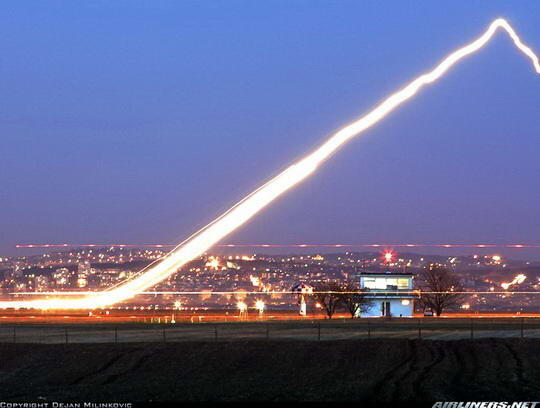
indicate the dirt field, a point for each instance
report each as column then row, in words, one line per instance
column 372, row 370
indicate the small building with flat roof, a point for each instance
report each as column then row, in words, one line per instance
column 389, row 293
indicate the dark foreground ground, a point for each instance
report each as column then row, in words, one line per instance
column 373, row 370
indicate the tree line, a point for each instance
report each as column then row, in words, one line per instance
column 334, row 295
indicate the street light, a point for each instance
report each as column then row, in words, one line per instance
column 242, row 307
column 259, row 305
column 177, row 306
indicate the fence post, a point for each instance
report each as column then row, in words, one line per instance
column 319, row 331
column 267, row 332
column 419, row 328
column 472, row 328
column 14, row 334
column 66, row 333
column 368, row 330
column 215, row 333
column 522, row 323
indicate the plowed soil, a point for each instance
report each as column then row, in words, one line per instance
column 366, row 370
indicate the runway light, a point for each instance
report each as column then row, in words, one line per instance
column 248, row 207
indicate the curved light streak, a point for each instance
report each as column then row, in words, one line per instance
column 247, row 208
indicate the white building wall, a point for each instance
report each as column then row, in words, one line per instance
column 397, row 308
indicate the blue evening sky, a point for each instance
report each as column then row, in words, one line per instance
column 140, row 121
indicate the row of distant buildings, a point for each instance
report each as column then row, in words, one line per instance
column 72, row 277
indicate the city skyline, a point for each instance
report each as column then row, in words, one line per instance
column 492, row 283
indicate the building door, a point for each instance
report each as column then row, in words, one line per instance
column 385, row 309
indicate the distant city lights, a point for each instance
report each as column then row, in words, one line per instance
column 517, row 280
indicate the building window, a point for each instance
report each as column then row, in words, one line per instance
column 386, row 283
column 391, row 283
column 403, row 283
column 375, row 283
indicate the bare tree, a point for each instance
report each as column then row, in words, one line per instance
column 440, row 285
column 328, row 295
column 354, row 299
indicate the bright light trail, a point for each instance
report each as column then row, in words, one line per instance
column 435, row 245
column 247, row 208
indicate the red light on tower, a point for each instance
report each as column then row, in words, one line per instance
column 388, row 256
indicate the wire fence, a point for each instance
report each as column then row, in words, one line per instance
column 321, row 330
